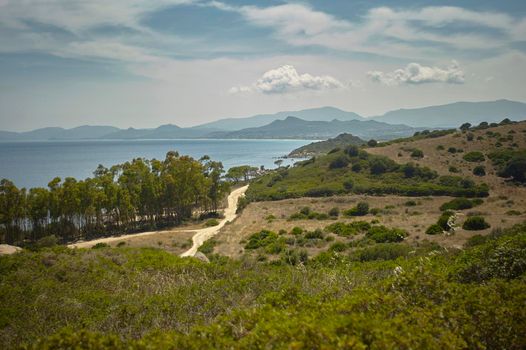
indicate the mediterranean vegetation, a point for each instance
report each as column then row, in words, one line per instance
column 380, row 296
column 137, row 195
column 353, row 170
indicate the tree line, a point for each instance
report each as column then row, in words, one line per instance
column 138, row 195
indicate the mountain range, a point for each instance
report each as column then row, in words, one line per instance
column 316, row 123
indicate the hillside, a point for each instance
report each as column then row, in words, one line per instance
column 296, row 128
column 313, row 114
column 168, row 131
column 326, row 146
column 129, row 298
column 409, row 190
column 450, row 115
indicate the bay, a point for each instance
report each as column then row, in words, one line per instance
column 34, row 164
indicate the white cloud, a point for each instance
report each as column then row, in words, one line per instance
column 286, row 79
column 415, row 73
column 385, row 31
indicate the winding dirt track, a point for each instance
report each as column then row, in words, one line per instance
column 206, row 233
column 199, row 237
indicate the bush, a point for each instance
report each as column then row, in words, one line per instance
column 410, row 203
column 352, row 151
column 47, row 242
column 460, row 204
column 434, row 229
column 453, row 169
column 316, row 234
column 474, row 157
column 381, row 251
column 452, row 150
column 100, row 246
column 443, row 220
column 340, row 162
column 372, row 143
column 475, row 223
column 261, row 239
column 382, row 234
column 334, row 212
column 479, row 170
column 346, row 230
column 207, row 247
column 296, row 231
column 338, row 247
column 211, row 222
column 417, row 153
column 361, row 209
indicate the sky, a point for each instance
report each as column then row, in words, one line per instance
column 144, row 63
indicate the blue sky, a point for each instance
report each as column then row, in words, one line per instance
column 143, row 63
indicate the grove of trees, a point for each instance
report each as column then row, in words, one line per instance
column 137, row 195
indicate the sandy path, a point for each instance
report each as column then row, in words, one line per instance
column 6, row 249
column 206, row 233
column 200, row 236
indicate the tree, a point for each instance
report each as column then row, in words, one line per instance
column 372, row 143
column 515, row 168
column 465, row 126
column 278, row 163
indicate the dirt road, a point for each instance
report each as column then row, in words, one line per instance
column 200, row 236
column 206, row 233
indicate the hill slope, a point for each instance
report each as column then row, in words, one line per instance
column 296, row 128
column 318, row 114
column 454, row 114
column 321, row 147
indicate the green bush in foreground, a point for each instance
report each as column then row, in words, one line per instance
column 461, row 204
column 474, row 157
column 475, row 223
column 149, row 299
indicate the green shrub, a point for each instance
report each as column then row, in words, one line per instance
column 316, row 234
column 382, row 234
column 443, row 220
column 47, row 242
column 296, row 231
column 261, row 239
column 453, row 169
column 475, row 223
column 474, row 157
column 212, row 222
column 434, row 229
column 340, row 162
column 207, row 247
column 479, row 170
column 417, row 153
column 100, row 246
column 345, row 230
column 410, row 203
column 381, row 251
column 334, row 212
column 460, row 204
column 361, row 209
column 338, row 247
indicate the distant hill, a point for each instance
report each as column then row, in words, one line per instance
column 326, row 146
column 56, row 133
column 168, row 131
column 313, row 114
column 296, row 128
column 455, row 114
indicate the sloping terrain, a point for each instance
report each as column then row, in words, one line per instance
column 322, row 147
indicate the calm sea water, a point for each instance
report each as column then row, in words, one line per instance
column 34, row 164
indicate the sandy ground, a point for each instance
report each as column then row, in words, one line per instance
column 184, row 241
column 204, row 234
column 6, row 249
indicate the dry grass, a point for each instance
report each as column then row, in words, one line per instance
column 415, row 219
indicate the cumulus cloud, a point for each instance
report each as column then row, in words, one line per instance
column 287, row 79
column 415, row 73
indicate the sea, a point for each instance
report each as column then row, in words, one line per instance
column 34, row 164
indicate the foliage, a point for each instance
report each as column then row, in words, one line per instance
column 376, row 175
column 382, row 234
column 137, row 195
column 461, row 204
column 135, row 299
column 434, row 229
column 211, row 222
column 261, row 239
column 361, row 209
column 348, row 229
column 417, row 153
column 479, row 170
column 208, row 246
column 474, row 156
column 474, row 223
